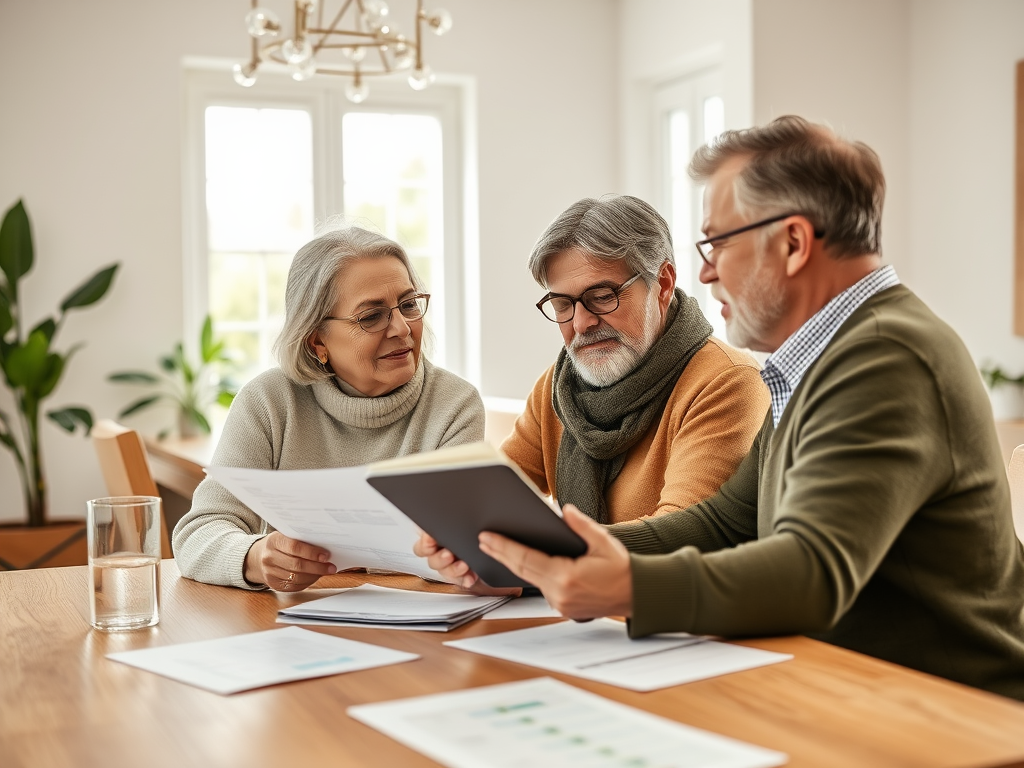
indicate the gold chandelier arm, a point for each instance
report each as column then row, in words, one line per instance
column 331, row 28
column 420, row 17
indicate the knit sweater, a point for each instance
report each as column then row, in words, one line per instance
column 707, row 426
column 875, row 516
column 277, row 424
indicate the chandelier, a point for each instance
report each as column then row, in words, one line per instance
column 358, row 41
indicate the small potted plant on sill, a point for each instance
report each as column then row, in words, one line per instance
column 1006, row 393
column 193, row 388
column 32, row 370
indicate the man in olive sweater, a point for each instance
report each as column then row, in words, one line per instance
column 873, row 510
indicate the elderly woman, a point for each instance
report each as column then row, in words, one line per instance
column 353, row 387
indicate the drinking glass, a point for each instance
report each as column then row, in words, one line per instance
column 124, row 562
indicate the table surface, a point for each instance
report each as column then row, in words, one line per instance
column 63, row 704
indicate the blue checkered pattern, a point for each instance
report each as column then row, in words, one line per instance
column 786, row 367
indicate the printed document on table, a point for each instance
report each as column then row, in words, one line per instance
column 543, row 722
column 332, row 508
column 602, row 651
column 534, row 607
column 239, row 663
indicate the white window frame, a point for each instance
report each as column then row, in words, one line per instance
column 450, row 99
column 683, row 92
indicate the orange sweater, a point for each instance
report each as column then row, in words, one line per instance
column 709, row 423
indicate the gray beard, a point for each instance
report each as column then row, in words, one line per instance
column 602, row 368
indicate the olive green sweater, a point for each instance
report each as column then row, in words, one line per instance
column 876, row 516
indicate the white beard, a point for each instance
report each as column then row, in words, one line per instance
column 604, row 367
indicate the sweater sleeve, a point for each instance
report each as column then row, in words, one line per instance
column 213, row 538
column 865, row 456
column 467, row 424
column 715, row 434
column 525, row 446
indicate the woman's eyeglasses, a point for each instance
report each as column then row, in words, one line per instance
column 376, row 319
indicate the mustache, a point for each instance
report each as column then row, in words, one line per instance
column 594, row 336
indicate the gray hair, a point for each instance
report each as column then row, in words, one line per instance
column 796, row 166
column 615, row 228
column 313, row 289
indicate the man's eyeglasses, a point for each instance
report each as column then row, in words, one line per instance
column 599, row 300
column 706, row 248
column 376, row 319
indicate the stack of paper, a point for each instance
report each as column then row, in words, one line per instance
column 381, row 607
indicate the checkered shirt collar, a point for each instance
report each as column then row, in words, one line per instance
column 786, row 367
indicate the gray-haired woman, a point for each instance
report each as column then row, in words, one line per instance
column 353, row 387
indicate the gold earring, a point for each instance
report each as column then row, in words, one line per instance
column 323, row 360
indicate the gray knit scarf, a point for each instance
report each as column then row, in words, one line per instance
column 602, row 423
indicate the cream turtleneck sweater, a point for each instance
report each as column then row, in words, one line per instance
column 277, row 424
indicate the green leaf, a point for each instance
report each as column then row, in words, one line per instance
column 26, row 365
column 54, row 369
column 70, row 418
column 48, row 327
column 186, row 370
column 16, row 250
column 168, row 364
column 91, row 291
column 6, row 318
column 206, row 350
column 225, row 398
column 196, row 415
column 138, row 405
column 134, row 377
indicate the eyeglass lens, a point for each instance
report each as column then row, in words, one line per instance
column 599, row 301
column 374, row 320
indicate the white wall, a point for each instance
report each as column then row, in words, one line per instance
column 90, row 137
column 963, row 58
column 845, row 63
column 662, row 41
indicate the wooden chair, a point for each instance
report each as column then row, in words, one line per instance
column 126, row 468
column 1016, row 474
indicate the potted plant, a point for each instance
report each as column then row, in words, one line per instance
column 193, row 388
column 1006, row 393
column 32, row 370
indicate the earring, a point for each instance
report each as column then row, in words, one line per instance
column 323, row 360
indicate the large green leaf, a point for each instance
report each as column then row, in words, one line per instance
column 225, row 398
column 27, row 364
column 69, row 418
column 197, row 416
column 91, row 291
column 206, row 349
column 54, row 370
column 6, row 318
column 48, row 327
column 16, row 251
column 134, row 377
column 138, row 405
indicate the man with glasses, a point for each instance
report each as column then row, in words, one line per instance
column 873, row 510
column 643, row 411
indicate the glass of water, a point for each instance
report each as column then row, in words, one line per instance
column 124, row 562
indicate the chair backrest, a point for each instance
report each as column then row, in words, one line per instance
column 125, row 467
column 1016, row 474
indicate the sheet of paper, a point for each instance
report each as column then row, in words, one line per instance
column 332, row 508
column 311, row 622
column 241, row 662
column 524, row 608
column 601, row 650
column 543, row 722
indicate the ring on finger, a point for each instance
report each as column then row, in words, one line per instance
column 291, row 576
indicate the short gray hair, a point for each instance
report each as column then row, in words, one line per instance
column 796, row 166
column 615, row 228
column 313, row 290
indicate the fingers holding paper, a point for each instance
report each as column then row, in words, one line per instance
column 284, row 564
column 598, row 583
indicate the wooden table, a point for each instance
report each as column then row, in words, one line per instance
column 63, row 704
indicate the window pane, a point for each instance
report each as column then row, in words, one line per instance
column 680, row 186
column 714, row 117
column 259, row 202
column 393, row 179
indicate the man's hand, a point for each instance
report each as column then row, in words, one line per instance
column 455, row 571
column 598, row 583
column 284, row 564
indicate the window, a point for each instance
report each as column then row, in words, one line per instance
column 689, row 112
column 265, row 166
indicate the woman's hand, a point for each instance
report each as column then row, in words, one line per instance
column 284, row 564
column 454, row 570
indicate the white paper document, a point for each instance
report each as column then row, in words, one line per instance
column 543, row 722
column 239, row 663
column 534, row 607
column 384, row 608
column 333, row 508
column 602, row 651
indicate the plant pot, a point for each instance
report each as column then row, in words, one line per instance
column 62, row 542
column 1007, row 402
